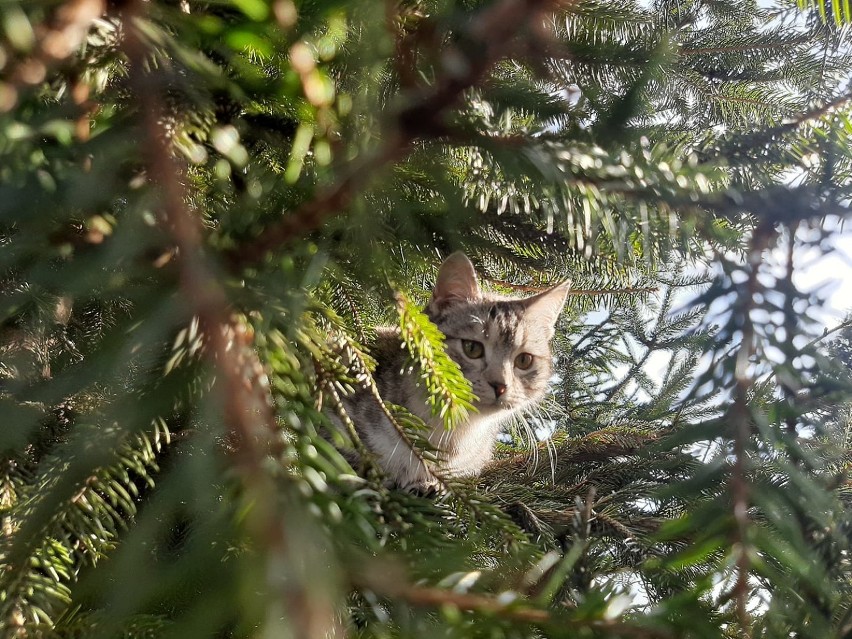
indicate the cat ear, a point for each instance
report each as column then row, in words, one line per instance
column 456, row 282
column 546, row 306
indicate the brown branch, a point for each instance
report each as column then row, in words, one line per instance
column 422, row 596
column 526, row 288
column 826, row 332
column 797, row 121
column 399, row 20
column 817, row 112
column 738, row 48
column 780, row 204
column 740, row 417
column 790, row 321
column 515, row 610
column 597, row 446
column 489, row 37
column 241, row 380
column 329, row 203
column 630, row 290
column 731, row 98
column 204, row 295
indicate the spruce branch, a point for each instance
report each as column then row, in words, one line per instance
column 56, row 40
column 206, row 299
column 740, row 48
column 80, row 530
column 527, row 288
column 331, row 202
column 243, row 384
column 741, row 420
column 780, row 204
column 603, row 444
column 827, row 333
column 815, row 113
column 436, row 597
column 492, row 34
column 450, row 396
column 506, row 607
column 747, row 142
column 629, row 290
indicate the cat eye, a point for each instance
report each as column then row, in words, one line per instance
column 524, row 361
column 472, row 348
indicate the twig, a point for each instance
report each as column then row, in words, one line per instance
column 203, row 292
column 816, row 340
column 738, row 48
column 790, row 320
column 507, row 608
column 526, row 288
column 596, row 446
column 630, row 290
column 420, row 596
column 843, row 325
column 779, row 204
column 815, row 113
column 796, row 121
column 740, row 417
column 489, row 36
column 313, row 214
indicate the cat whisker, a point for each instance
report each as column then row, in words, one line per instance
column 531, row 442
column 395, row 449
column 551, row 455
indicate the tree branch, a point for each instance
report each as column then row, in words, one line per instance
column 507, row 608
column 241, row 380
column 741, row 419
column 65, row 32
column 599, row 445
column 489, row 37
column 740, row 48
column 526, row 288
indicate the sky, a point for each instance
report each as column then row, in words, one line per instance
column 825, row 271
column 830, row 274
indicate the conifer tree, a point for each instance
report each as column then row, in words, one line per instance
column 206, row 208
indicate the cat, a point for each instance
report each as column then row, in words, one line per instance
column 502, row 346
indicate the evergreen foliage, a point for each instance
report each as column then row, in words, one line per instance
column 206, row 208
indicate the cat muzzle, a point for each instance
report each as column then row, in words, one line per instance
column 499, row 389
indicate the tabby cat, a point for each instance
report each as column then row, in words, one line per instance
column 502, row 346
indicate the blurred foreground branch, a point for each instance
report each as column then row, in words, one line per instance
column 244, row 388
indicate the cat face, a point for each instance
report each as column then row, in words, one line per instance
column 502, row 345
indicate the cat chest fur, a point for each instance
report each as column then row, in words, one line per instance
column 462, row 450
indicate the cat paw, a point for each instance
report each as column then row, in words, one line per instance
column 430, row 488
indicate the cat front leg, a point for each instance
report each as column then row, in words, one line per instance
column 422, row 483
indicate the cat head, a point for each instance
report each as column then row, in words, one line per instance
column 501, row 344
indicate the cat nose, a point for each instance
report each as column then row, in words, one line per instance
column 499, row 389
